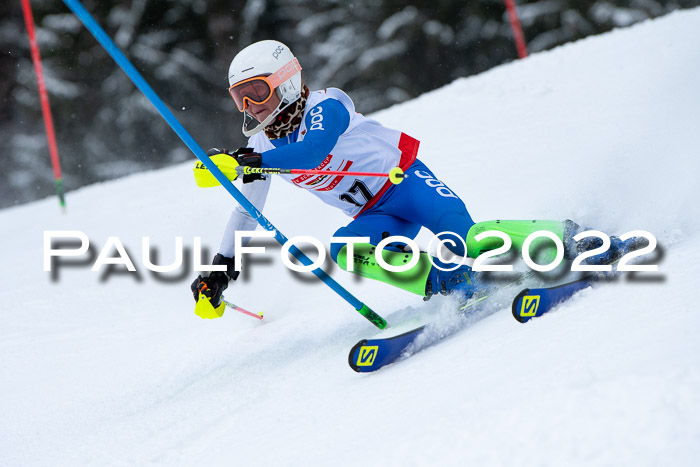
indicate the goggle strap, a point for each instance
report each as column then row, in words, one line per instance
column 284, row 73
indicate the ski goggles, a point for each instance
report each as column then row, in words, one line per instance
column 259, row 89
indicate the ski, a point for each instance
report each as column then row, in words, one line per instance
column 372, row 354
column 531, row 303
column 369, row 355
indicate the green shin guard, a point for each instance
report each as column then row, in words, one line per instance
column 365, row 264
column 518, row 231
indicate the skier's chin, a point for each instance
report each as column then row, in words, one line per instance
column 260, row 117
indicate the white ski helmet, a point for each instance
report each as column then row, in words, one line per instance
column 259, row 70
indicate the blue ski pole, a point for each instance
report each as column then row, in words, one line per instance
column 144, row 87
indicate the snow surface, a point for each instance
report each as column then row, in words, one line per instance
column 116, row 370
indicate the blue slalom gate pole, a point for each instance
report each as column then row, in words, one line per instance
column 116, row 54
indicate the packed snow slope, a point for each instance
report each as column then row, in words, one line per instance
column 104, row 368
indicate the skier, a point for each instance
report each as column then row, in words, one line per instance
column 291, row 127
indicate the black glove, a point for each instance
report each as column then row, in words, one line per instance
column 217, row 281
column 211, row 287
column 244, row 156
column 231, row 272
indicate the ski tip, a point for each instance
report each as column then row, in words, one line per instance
column 522, row 307
column 354, row 357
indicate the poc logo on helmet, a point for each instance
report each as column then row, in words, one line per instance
column 316, row 119
column 277, row 52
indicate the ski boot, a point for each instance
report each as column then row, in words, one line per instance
column 461, row 282
column 618, row 248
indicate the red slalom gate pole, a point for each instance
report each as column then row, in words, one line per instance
column 517, row 30
column 45, row 108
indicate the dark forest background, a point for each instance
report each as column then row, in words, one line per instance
column 381, row 52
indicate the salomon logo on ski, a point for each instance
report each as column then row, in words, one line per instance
column 366, row 355
column 529, row 305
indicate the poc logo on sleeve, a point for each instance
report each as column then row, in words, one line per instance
column 440, row 187
column 316, row 119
